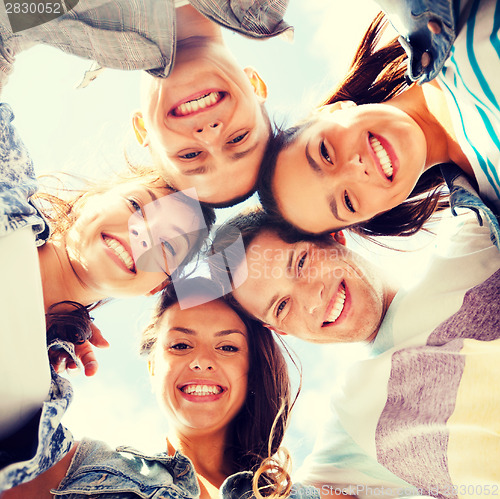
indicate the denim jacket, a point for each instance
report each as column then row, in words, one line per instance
column 428, row 29
column 100, row 472
column 463, row 195
column 51, row 440
column 17, row 182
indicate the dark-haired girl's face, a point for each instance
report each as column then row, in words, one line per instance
column 199, row 367
column 126, row 240
column 351, row 164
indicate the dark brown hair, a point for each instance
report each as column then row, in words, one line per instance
column 376, row 75
column 256, row 433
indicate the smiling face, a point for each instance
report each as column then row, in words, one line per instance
column 100, row 245
column 199, row 366
column 321, row 294
column 350, row 164
column 205, row 124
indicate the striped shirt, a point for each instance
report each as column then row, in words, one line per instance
column 133, row 34
column 470, row 80
column 421, row 413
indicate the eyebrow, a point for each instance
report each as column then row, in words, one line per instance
column 227, row 332
column 332, row 201
column 200, row 170
column 276, row 296
column 192, row 332
column 184, row 330
column 154, row 197
column 334, row 209
column 238, row 155
column 311, row 161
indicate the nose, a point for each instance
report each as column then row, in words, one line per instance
column 202, row 361
column 355, row 165
column 311, row 295
column 208, row 131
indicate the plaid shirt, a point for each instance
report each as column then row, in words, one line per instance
column 134, row 34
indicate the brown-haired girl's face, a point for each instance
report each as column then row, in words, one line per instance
column 108, row 243
column 199, row 366
column 351, row 164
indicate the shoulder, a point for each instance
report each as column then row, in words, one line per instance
column 428, row 29
column 256, row 19
column 98, row 468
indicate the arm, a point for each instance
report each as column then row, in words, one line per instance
column 41, row 486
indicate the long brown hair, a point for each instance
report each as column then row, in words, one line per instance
column 69, row 320
column 255, row 434
column 376, row 74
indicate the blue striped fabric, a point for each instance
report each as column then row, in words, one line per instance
column 471, row 82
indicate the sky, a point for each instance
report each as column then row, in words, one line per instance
column 86, row 131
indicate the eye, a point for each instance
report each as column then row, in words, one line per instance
column 239, row 138
column 190, row 155
column 168, row 247
column 324, row 152
column 135, row 205
column 180, row 346
column 301, row 263
column 347, row 201
column 281, row 307
column 229, row 348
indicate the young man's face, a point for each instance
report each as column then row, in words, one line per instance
column 321, row 294
column 205, row 124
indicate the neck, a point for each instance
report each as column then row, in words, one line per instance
column 206, row 452
column 426, row 104
column 191, row 24
column 389, row 293
column 60, row 282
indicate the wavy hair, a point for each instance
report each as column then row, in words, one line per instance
column 255, row 435
column 70, row 320
column 376, row 75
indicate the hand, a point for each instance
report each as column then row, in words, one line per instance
column 61, row 361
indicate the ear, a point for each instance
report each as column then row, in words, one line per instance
column 274, row 330
column 258, row 84
column 141, row 133
column 335, row 106
column 339, row 237
column 160, row 287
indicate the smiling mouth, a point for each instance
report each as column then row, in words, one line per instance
column 201, row 103
column 337, row 308
column 201, row 390
column 120, row 251
column 382, row 156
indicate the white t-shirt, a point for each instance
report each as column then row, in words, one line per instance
column 392, row 409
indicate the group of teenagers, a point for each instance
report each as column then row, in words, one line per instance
column 412, row 130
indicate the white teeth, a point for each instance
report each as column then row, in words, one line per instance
column 382, row 156
column 120, row 252
column 338, row 306
column 202, row 390
column 196, row 104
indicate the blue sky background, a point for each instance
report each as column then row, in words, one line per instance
column 86, row 131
